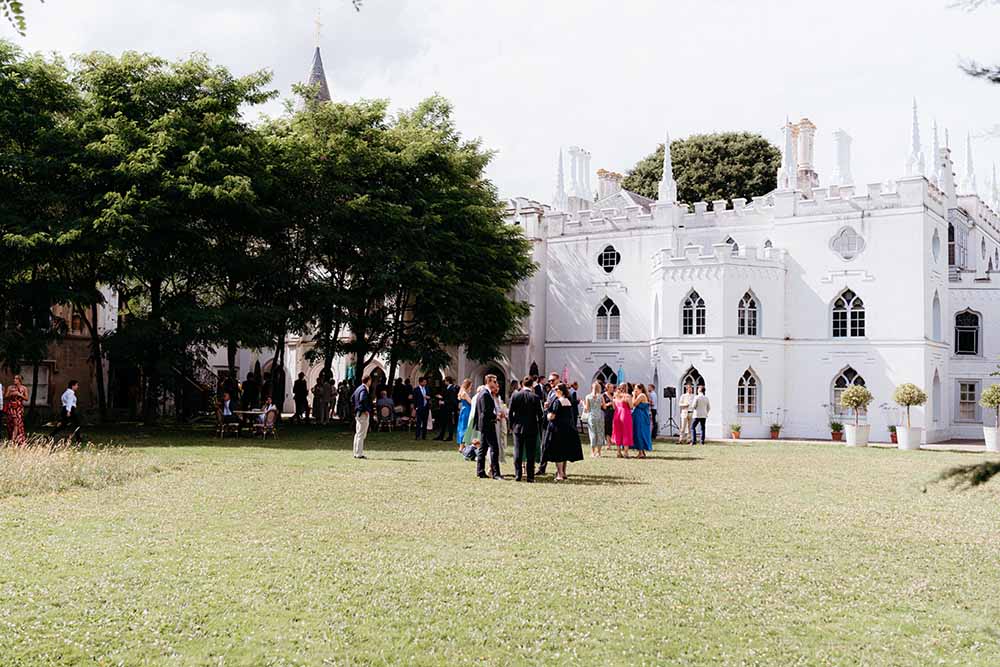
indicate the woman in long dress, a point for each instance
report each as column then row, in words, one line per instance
column 642, row 422
column 621, row 435
column 13, row 406
column 465, row 407
column 608, row 401
column 562, row 443
column 593, row 410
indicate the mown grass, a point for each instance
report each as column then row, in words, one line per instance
column 295, row 553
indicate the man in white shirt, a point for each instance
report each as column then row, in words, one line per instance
column 700, row 408
column 69, row 415
column 684, row 404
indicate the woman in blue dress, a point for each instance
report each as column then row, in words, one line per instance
column 465, row 407
column 642, row 422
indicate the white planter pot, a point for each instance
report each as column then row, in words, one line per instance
column 857, row 436
column 909, row 437
column 992, row 434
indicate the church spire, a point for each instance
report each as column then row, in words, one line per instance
column 317, row 75
column 936, row 175
column 668, row 186
column 915, row 162
column 559, row 201
column 969, row 178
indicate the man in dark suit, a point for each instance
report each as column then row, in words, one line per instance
column 421, row 408
column 486, row 424
column 526, row 420
column 449, row 410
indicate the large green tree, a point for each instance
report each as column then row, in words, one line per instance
column 37, row 102
column 410, row 253
column 170, row 159
column 709, row 167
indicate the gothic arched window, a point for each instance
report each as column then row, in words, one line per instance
column 846, row 378
column 967, row 333
column 608, row 321
column 747, row 316
column 735, row 246
column 693, row 315
column 693, row 378
column 747, row 391
column 848, row 315
column 605, row 375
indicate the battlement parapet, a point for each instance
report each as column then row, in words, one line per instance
column 669, row 259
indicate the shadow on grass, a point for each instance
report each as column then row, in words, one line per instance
column 592, row 480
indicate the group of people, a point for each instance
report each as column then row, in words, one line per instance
column 621, row 417
column 15, row 395
column 542, row 415
column 694, row 408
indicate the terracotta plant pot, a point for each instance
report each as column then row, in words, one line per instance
column 837, row 435
column 775, row 435
column 736, row 435
column 892, row 437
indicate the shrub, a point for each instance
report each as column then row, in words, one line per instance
column 856, row 397
column 892, row 429
column 776, row 427
column 991, row 399
column 906, row 395
column 735, row 428
column 836, row 427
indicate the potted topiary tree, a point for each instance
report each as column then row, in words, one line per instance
column 906, row 396
column 991, row 399
column 856, row 397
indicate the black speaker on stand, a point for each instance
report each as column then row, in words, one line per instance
column 670, row 393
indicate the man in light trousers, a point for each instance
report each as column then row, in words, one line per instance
column 685, row 404
column 361, row 400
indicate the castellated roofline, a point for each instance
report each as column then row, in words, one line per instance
column 670, row 261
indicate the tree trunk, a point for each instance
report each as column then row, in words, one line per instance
column 97, row 358
column 151, row 370
column 231, row 349
column 34, row 392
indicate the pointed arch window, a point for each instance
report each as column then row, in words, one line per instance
column 967, row 325
column 693, row 315
column 846, row 378
column 609, row 259
column 693, row 378
column 605, row 375
column 936, row 318
column 734, row 245
column 747, row 315
column 747, row 393
column 608, row 321
column 848, row 316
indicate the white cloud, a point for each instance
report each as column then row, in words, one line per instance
column 529, row 76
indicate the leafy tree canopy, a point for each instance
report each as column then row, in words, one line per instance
column 709, row 167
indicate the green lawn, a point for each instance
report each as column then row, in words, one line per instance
column 295, row 553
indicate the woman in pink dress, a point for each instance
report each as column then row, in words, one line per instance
column 13, row 406
column 621, row 432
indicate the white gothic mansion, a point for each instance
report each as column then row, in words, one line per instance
column 775, row 305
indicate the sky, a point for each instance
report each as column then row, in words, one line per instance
column 531, row 76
